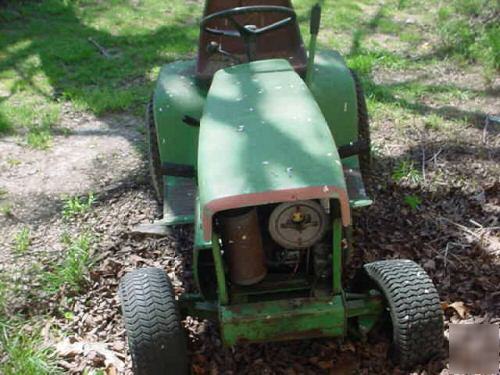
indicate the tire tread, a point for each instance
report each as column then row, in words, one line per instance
column 415, row 310
column 155, row 334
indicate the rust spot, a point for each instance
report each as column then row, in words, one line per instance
column 309, row 334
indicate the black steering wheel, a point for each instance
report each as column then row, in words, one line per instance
column 248, row 33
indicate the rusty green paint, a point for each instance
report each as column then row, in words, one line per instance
column 199, row 241
column 178, row 93
column 289, row 319
column 263, row 132
column 365, row 305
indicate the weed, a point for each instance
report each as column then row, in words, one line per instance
column 39, row 138
column 387, row 26
column 412, row 36
column 70, row 273
column 77, row 205
column 406, row 171
column 402, row 4
column 21, row 345
column 22, row 240
column 434, row 121
column 413, row 201
column 13, row 162
column 5, row 209
column 470, row 28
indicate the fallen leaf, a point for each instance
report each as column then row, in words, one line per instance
column 460, row 308
column 97, row 352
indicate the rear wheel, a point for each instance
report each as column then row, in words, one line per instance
column 154, row 153
column 156, row 338
column 415, row 311
column 363, row 126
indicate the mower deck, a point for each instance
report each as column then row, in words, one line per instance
column 283, row 320
column 288, row 319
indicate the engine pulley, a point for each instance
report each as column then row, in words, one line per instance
column 298, row 225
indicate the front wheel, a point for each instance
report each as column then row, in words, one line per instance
column 156, row 338
column 415, row 310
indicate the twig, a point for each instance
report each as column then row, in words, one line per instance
column 463, row 227
column 447, row 252
column 101, row 49
column 433, row 157
column 476, row 223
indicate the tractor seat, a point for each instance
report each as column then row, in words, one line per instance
column 285, row 43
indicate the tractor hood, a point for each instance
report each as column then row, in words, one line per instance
column 263, row 139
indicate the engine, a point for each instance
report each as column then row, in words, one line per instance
column 280, row 239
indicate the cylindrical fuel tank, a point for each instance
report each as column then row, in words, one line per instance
column 242, row 242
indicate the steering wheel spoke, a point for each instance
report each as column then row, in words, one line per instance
column 248, row 32
column 242, row 31
column 230, row 33
column 274, row 26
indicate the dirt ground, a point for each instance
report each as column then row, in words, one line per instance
column 454, row 234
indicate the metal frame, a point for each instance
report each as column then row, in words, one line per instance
column 244, row 314
column 244, row 320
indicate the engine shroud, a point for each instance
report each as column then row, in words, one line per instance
column 298, row 225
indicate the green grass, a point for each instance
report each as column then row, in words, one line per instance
column 22, row 240
column 39, row 138
column 406, row 171
column 434, row 122
column 47, row 58
column 22, row 350
column 77, row 205
column 471, row 29
column 5, row 208
column 21, row 343
column 5, row 205
column 413, row 201
column 69, row 274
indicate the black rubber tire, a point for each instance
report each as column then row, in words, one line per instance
column 153, row 153
column 156, row 338
column 415, row 310
column 363, row 126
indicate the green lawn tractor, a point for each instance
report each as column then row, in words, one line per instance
column 262, row 147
